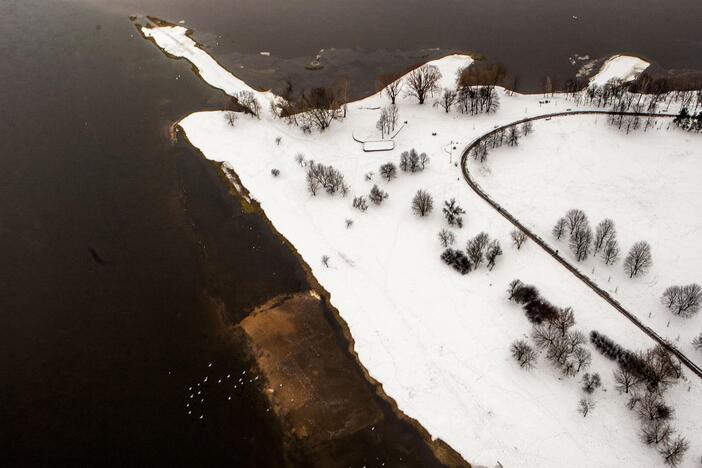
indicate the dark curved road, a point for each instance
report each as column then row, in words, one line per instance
column 694, row 368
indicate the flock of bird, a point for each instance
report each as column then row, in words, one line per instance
column 195, row 401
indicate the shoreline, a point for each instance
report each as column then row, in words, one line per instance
column 442, row 451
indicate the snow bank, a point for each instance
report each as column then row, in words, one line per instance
column 175, row 41
column 622, row 67
column 436, row 340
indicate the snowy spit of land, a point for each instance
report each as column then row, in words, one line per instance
column 621, row 67
column 439, row 342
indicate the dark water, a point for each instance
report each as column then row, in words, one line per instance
column 116, row 250
column 533, row 38
column 122, row 256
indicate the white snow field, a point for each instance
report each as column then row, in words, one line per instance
column 438, row 341
column 647, row 182
column 622, row 67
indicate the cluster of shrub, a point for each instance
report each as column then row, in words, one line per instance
column 480, row 249
column 551, row 331
column 410, row 161
column 656, row 367
column 686, row 121
column 583, row 242
column 509, row 136
column 314, row 108
column 645, row 376
column 325, row 177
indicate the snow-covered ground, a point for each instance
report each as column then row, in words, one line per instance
column 647, row 182
column 437, row 341
column 622, row 67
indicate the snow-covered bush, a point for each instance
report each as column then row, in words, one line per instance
column 326, row 177
column 457, row 260
column 360, row 203
column 377, row 195
column 452, row 212
column 591, row 382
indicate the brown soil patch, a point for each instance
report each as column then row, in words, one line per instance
column 308, row 383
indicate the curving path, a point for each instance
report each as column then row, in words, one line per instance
column 694, row 368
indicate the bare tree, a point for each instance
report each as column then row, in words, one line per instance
column 393, row 116
column 674, row 450
column 574, row 219
column 388, row 120
column 610, row 252
column 559, row 228
column 527, row 127
column 392, row 86
column 349, row 223
column 605, row 231
column 581, row 242
column 422, row 203
column 325, row 260
column 423, row 81
column 626, row 379
column 582, row 359
column 513, row 136
column 639, row 259
column 446, row 238
column 476, row 248
column 544, row 336
column 563, row 321
column 518, row 238
column 447, row 99
column 683, row 301
column 524, row 354
column 412, row 161
column 585, row 406
column 231, row 117
column 697, row 342
column 452, row 212
column 300, row 159
column 671, row 296
column 388, row 171
column 492, row 252
column 655, row 432
column 651, row 407
column 383, row 123
column 248, row 101
column 513, row 286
